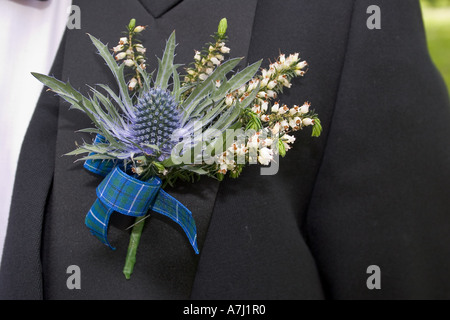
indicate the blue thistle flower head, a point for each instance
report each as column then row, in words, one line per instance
column 157, row 116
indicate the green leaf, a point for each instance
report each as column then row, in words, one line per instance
column 281, row 148
column 195, row 169
column 176, row 85
column 204, row 89
column 239, row 79
column 117, row 72
column 317, row 128
column 165, row 66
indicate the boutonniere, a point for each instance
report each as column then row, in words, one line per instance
column 163, row 126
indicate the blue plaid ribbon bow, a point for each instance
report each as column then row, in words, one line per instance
column 123, row 193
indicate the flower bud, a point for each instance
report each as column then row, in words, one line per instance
column 129, row 63
column 283, row 109
column 222, row 29
column 139, row 29
column 225, row 49
column 132, row 84
column 121, row 56
column 275, row 107
column 304, row 108
column 264, row 106
column 272, row 84
column 118, row 48
column 140, row 49
column 308, row 122
column 229, row 100
column 215, row 61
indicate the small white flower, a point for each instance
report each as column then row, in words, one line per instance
column 215, row 61
column 242, row 90
column 121, row 56
column 305, row 108
column 118, row 48
column 123, row 40
column 283, row 110
column 140, row 48
column 229, row 100
column 132, row 84
column 272, row 84
column 256, row 109
column 276, row 128
column 301, row 65
column 288, row 138
column 262, row 94
column 203, row 77
column 197, row 55
column 286, row 146
column 224, row 49
column 308, row 122
column 265, row 118
column 275, row 107
column 137, row 170
column 293, row 124
column 139, row 29
column 253, row 142
column 218, row 83
column 271, row 94
column 285, row 125
column 294, row 110
column 264, row 106
column 129, row 63
column 265, row 156
column 266, row 142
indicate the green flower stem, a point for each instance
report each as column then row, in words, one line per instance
column 135, row 237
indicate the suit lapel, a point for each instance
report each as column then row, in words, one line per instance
column 158, row 7
column 166, row 264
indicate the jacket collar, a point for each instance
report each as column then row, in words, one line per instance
column 157, row 8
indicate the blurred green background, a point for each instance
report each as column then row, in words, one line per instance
column 436, row 16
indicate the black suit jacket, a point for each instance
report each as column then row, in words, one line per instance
column 372, row 190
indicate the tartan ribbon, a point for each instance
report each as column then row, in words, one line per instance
column 122, row 193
